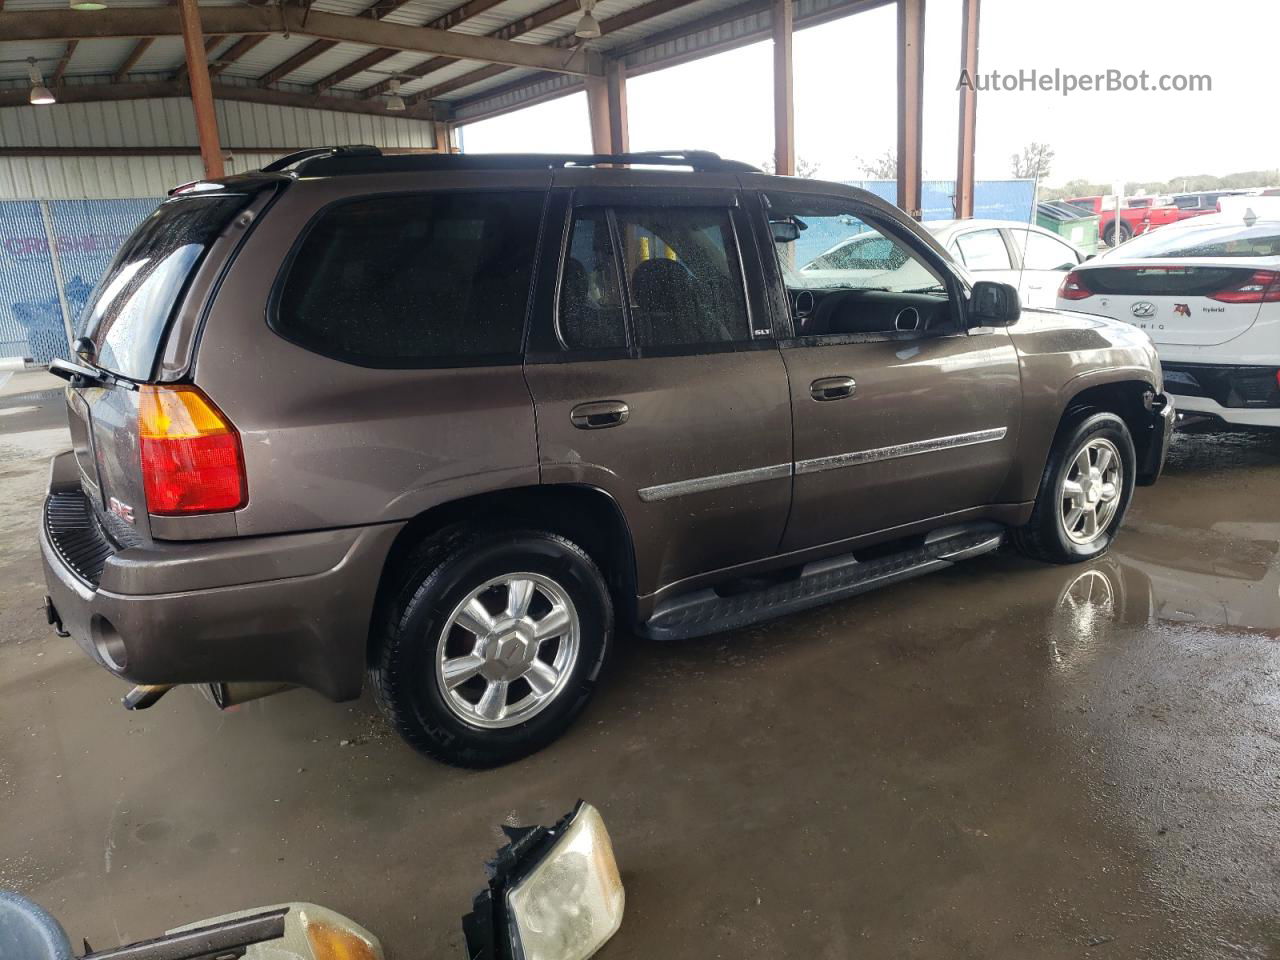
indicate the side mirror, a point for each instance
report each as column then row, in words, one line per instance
column 785, row 231
column 994, row 304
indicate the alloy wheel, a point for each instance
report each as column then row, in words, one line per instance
column 1091, row 491
column 507, row 650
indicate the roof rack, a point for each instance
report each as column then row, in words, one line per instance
column 337, row 161
column 300, row 156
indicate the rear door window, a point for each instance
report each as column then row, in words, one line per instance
column 127, row 314
column 1043, row 253
column 683, row 275
column 984, row 250
column 421, row 280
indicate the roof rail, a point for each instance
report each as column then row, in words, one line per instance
column 336, row 161
column 300, row 156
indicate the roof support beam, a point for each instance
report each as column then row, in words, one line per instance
column 201, row 89
column 968, row 109
column 234, row 53
column 784, row 107
column 358, row 65
column 510, row 31
column 155, row 90
column 549, row 15
column 246, row 20
column 61, row 68
column 446, row 21
column 175, row 151
column 303, row 56
column 910, row 105
column 131, row 61
column 210, row 43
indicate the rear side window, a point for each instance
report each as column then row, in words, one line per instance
column 127, row 314
column 420, row 280
column 590, row 297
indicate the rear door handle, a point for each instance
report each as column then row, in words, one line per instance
column 832, row 388
column 598, row 415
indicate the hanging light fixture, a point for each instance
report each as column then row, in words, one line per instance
column 88, row 5
column 588, row 27
column 40, row 94
column 395, row 102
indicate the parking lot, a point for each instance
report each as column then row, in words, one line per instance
column 1004, row 760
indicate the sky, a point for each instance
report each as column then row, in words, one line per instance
column 846, row 102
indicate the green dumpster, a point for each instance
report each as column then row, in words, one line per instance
column 1076, row 225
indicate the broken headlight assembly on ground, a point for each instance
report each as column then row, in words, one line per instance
column 554, row 893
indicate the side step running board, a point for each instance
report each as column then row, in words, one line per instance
column 705, row 611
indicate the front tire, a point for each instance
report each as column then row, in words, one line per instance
column 492, row 645
column 1084, row 493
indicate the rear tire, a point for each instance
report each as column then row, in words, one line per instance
column 1110, row 236
column 1084, row 493
column 491, row 645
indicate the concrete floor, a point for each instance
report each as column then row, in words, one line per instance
column 1005, row 760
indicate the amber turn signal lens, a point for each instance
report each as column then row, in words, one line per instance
column 333, row 943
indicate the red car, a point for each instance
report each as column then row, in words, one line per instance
column 1137, row 215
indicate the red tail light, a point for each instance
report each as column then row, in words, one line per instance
column 1262, row 286
column 1074, row 287
column 191, row 456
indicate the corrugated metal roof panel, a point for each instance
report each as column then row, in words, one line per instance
column 165, row 55
column 20, row 5
column 271, row 52
column 328, row 62
column 46, row 52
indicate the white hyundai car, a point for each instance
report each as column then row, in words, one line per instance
column 1207, row 292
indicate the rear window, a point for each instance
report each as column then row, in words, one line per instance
column 1223, row 240
column 419, row 280
column 127, row 314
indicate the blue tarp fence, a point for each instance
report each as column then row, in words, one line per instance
column 41, row 241
column 75, row 240
column 992, row 200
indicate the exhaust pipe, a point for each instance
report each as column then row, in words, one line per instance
column 145, row 695
column 227, row 695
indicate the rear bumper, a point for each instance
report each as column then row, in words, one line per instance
column 1231, row 387
column 1204, row 406
column 1154, row 448
column 292, row 609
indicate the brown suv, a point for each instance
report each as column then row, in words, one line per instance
column 445, row 419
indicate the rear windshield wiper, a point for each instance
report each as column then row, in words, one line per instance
column 89, row 374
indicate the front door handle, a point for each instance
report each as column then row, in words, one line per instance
column 596, row 416
column 832, row 388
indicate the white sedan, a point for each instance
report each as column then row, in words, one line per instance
column 1207, row 292
column 1026, row 256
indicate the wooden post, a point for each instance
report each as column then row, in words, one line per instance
column 201, row 89
column 598, row 114
column 443, row 137
column 910, row 104
column 784, row 119
column 968, row 109
column 619, row 131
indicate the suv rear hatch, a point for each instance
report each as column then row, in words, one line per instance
column 127, row 319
